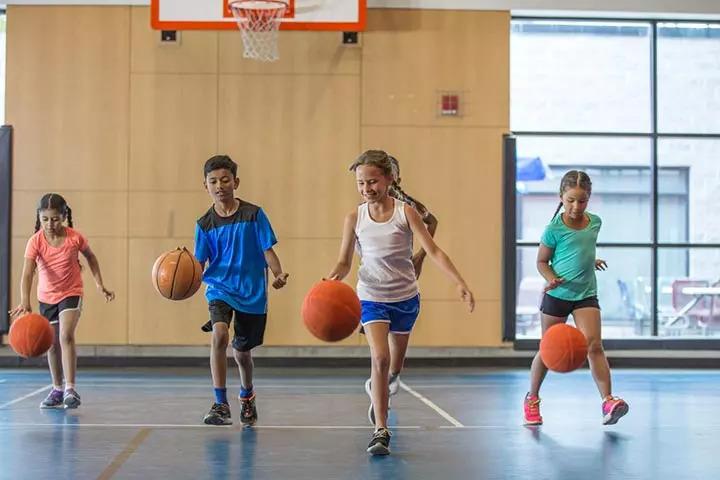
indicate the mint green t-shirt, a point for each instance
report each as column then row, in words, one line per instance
column 573, row 257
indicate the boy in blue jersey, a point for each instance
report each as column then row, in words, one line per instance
column 234, row 238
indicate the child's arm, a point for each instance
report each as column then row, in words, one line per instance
column 25, row 285
column 95, row 269
column 437, row 255
column 273, row 262
column 344, row 263
column 544, row 255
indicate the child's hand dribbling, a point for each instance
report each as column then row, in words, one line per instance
column 109, row 296
column 600, row 264
column 20, row 310
column 467, row 296
column 280, row 281
column 553, row 284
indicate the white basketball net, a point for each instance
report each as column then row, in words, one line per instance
column 259, row 22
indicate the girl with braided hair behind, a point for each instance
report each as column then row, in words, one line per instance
column 382, row 230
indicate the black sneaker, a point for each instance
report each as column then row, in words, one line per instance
column 219, row 414
column 380, row 442
column 248, row 411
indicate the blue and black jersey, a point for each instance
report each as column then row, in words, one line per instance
column 234, row 248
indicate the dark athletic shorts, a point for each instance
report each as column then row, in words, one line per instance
column 249, row 328
column 52, row 311
column 562, row 308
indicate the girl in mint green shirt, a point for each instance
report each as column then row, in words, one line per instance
column 566, row 259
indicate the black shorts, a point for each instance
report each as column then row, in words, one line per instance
column 562, row 308
column 249, row 328
column 52, row 311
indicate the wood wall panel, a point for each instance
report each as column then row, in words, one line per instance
column 293, row 138
column 409, row 56
column 173, row 131
column 67, row 96
column 196, row 52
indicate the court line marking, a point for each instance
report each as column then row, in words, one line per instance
column 176, row 425
column 2, row 380
column 430, row 404
column 124, row 455
column 20, row 399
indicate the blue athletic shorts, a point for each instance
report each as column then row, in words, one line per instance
column 400, row 315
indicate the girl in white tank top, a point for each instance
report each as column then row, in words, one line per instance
column 386, row 272
column 382, row 231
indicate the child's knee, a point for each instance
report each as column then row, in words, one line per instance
column 220, row 338
column 381, row 361
column 595, row 346
column 242, row 358
column 67, row 338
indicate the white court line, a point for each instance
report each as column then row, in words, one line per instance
column 175, row 425
column 2, row 380
column 20, row 399
column 430, row 404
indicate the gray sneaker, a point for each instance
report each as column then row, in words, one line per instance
column 53, row 400
column 71, row 399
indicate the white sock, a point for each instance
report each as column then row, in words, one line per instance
column 59, row 388
column 69, row 386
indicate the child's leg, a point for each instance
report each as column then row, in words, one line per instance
column 588, row 321
column 538, row 370
column 68, row 323
column 398, row 349
column 54, row 356
column 245, row 365
column 218, row 354
column 377, row 337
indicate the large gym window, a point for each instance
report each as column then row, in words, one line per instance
column 633, row 103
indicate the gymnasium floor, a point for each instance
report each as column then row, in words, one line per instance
column 447, row 424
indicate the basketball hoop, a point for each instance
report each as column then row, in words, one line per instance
column 259, row 22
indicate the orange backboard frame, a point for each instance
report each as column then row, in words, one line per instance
column 227, row 22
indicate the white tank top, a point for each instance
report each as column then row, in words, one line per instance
column 386, row 270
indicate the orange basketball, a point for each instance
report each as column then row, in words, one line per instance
column 331, row 310
column 31, row 335
column 563, row 348
column 176, row 274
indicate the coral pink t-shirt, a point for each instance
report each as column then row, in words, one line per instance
column 58, row 267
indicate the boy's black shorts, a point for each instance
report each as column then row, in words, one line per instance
column 249, row 328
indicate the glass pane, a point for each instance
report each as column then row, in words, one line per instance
column 688, row 77
column 580, row 76
column 618, row 167
column 688, row 292
column 529, row 291
column 624, row 291
column 688, row 190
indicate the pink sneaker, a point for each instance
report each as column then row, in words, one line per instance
column 532, row 410
column 613, row 408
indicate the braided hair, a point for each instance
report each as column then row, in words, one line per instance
column 573, row 178
column 53, row 201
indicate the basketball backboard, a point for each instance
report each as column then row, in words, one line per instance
column 340, row 15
